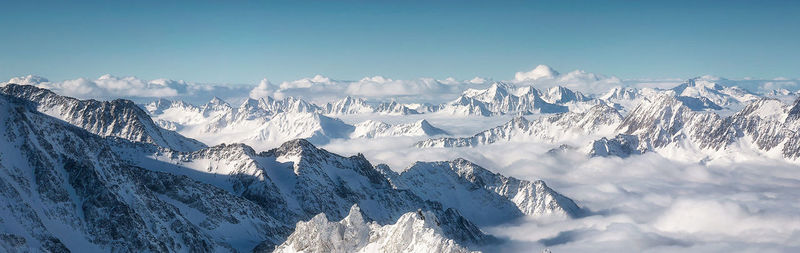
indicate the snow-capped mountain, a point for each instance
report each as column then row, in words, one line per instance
column 713, row 95
column 463, row 185
column 665, row 119
column 168, row 200
column 666, row 122
column 394, row 108
column 698, row 94
column 266, row 123
column 120, row 118
column 63, row 188
column 350, row 105
column 620, row 93
column 598, row 120
column 262, row 123
column 418, row 231
column 284, row 126
column 500, row 98
column 299, row 181
column 784, row 95
column 683, row 118
column 622, row 145
column 373, row 129
column 562, row 95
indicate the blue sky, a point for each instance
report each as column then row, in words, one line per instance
column 242, row 42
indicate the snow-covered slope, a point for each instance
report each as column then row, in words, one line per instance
column 713, row 95
column 665, row 122
column 262, row 123
column 299, row 181
column 373, row 129
column 287, row 126
column 480, row 195
column 63, row 188
column 664, row 119
column 266, row 123
column 413, row 232
column 599, row 120
column 120, row 118
column 350, row 105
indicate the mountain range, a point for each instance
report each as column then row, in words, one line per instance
column 169, row 176
column 67, row 186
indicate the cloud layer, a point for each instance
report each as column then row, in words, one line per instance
column 112, row 87
column 645, row 203
column 321, row 89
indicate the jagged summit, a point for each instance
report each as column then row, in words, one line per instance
column 500, row 98
column 560, row 95
column 296, row 147
column 501, row 197
column 121, row 118
column 354, row 234
column 794, row 111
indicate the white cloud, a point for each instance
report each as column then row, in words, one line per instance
column 645, row 203
column 540, row 72
column 727, row 218
column 778, row 85
column 112, row 87
column 478, row 80
column 26, row 80
column 263, row 89
column 544, row 77
column 322, row 89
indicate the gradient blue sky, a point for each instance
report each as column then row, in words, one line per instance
column 242, row 42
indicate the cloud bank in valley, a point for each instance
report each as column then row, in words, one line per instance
column 645, row 203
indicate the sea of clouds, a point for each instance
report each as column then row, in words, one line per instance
column 645, row 203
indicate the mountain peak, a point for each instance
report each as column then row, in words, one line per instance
column 217, row 101
column 296, row 146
